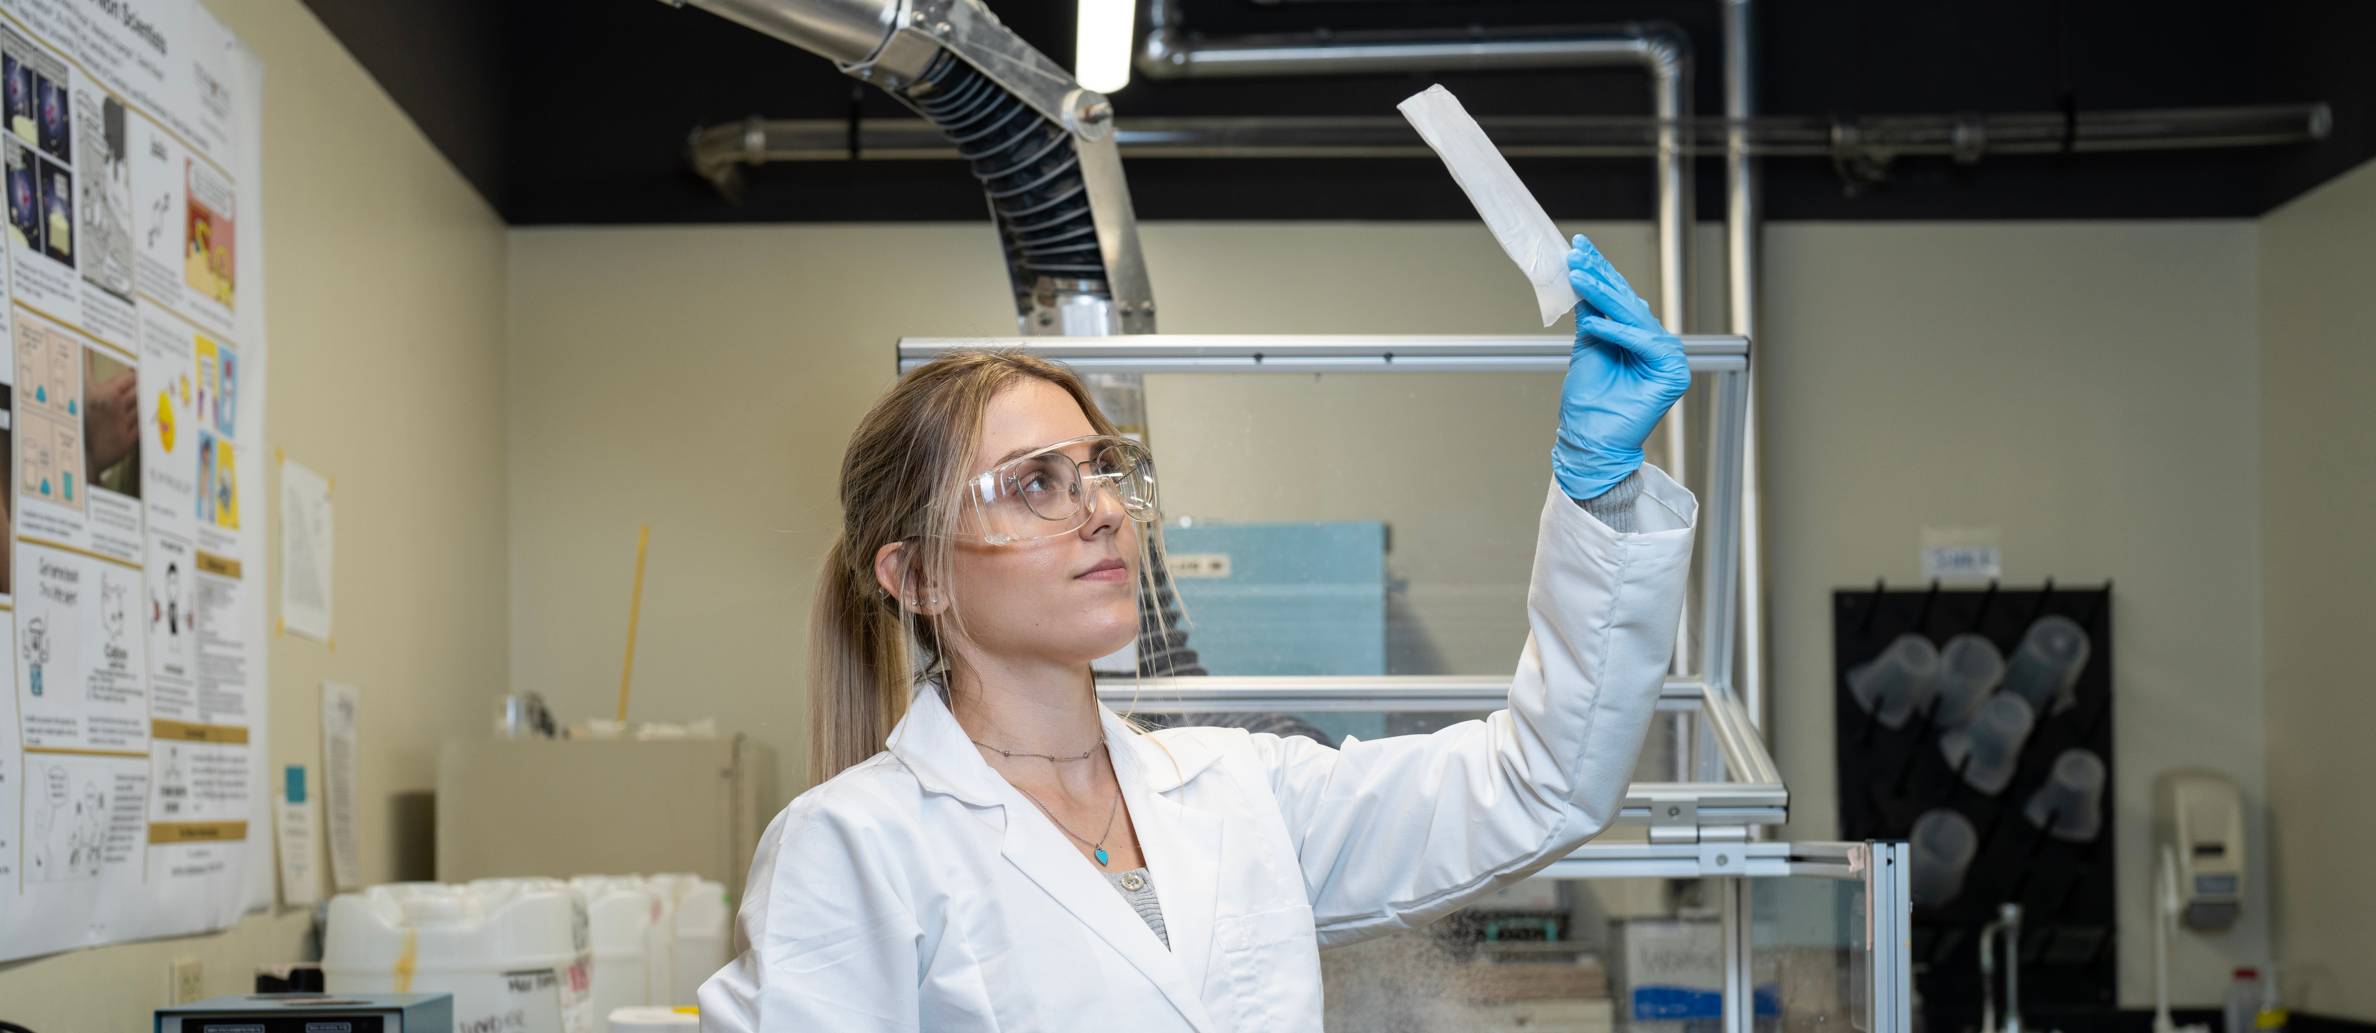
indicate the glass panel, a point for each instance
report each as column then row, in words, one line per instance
column 1635, row 955
column 1680, row 747
column 1811, row 935
column 1543, row 955
column 1331, row 524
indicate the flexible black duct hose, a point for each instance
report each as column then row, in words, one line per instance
column 1025, row 163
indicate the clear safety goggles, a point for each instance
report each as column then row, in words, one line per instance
column 1053, row 491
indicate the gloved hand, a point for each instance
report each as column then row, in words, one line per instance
column 1625, row 373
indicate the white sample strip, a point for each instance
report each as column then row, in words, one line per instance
column 1526, row 234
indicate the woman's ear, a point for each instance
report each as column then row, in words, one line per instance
column 911, row 589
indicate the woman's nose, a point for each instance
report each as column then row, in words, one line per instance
column 1105, row 515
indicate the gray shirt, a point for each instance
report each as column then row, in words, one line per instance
column 1138, row 887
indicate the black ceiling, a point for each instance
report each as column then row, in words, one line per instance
column 578, row 111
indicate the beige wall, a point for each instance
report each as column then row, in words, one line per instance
column 385, row 313
column 2088, row 389
column 2318, row 456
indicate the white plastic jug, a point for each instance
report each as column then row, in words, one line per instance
column 654, row 1020
column 633, row 942
column 512, row 952
column 702, row 921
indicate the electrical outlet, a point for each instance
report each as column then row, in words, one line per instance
column 189, row 980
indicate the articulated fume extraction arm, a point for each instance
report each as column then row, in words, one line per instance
column 1042, row 147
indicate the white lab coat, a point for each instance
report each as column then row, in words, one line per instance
column 919, row 891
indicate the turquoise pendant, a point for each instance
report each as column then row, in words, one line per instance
column 1101, row 857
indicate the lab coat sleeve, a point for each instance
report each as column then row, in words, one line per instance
column 1400, row 831
column 826, row 939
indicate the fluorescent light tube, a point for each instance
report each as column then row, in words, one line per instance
column 1101, row 58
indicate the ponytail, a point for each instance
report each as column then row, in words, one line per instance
column 859, row 672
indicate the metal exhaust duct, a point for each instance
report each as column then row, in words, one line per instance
column 1042, row 147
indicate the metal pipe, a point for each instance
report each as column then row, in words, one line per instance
column 1736, row 924
column 1742, row 272
column 1668, row 61
column 844, row 31
column 1988, row 978
column 1316, row 353
column 1164, row 57
column 2012, row 920
column 2008, row 923
column 1167, row 53
column 1041, row 147
column 1720, row 513
column 718, row 150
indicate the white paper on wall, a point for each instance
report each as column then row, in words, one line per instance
column 342, row 717
column 306, row 535
column 300, row 840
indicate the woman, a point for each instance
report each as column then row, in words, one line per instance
column 1012, row 856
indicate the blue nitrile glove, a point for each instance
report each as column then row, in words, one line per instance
column 1625, row 372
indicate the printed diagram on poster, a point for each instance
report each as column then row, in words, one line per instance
column 172, row 617
column 49, row 403
column 106, row 210
column 111, row 421
column 306, row 536
column 160, row 208
column 169, row 394
column 133, row 795
column 208, row 266
column 218, row 469
column 69, row 821
column 40, row 149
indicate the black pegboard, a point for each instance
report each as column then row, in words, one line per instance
column 1887, row 778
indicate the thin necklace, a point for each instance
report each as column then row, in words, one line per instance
column 1050, row 758
column 1097, row 848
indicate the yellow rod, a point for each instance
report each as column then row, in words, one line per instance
column 643, row 544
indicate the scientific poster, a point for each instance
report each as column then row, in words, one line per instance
column 133, row 795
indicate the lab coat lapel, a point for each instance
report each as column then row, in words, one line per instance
column 1183, row 848
column 1179, row 843
column 1047, row 857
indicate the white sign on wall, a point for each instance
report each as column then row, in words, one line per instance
column 1961, row 554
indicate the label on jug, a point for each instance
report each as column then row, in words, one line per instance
column 531, row 1003
column 577, row 997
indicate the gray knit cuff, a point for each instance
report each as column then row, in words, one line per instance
column 1615, row 507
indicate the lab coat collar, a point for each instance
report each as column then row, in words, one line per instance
column 934, row 746
column 1182, row 845
column 1165, row 762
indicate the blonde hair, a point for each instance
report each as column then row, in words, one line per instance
column 901, row 481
